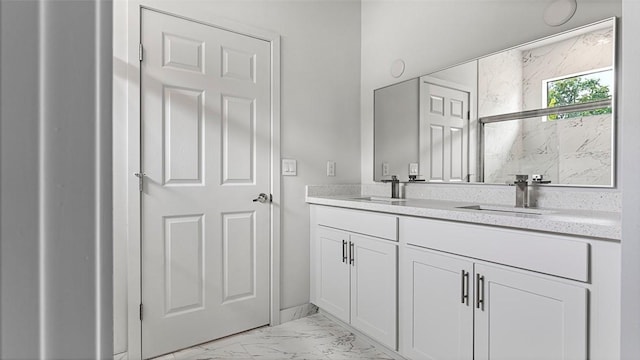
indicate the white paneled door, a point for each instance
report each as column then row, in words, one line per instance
column 444, row 133
column 205, row 118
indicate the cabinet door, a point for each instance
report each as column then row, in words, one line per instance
column 436, row 306
column 332, row 272
column 522, row 316
column 373, row 288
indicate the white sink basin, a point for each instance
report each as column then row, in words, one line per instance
column 506, row 209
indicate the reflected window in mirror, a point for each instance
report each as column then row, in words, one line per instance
column 578, row 89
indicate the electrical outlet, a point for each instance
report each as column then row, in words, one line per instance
column 385, row 169
column 331, row 168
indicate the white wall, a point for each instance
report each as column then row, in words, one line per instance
column 320, row 114
column 19, row 254
column 630, row 179
column 55, row 166
column 120, row 167
column 415, row 32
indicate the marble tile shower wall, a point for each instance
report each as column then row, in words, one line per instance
column 575, row 151
column 500, row 83
column 572, row 151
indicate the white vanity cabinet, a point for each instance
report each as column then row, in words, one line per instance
column 450, row 290
column 354, row 274
column 436, row 306
column 518, row 315
column 527, row 316
column 332, row 272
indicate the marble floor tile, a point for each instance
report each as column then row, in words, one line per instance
column 313, row 337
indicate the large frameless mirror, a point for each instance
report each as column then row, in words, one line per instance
column 544, row 108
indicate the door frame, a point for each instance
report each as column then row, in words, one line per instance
column 133, row 129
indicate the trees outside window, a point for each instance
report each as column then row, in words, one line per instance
column 577, row 90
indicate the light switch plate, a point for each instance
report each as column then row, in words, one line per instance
column 413, row 168
column 289, row 167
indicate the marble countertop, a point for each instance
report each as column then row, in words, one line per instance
column 594, row 224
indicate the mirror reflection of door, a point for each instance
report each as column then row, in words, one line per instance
column 444, row 129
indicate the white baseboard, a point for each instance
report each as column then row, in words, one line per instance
column 390, row 352
column 297, row 312
column 121, row 356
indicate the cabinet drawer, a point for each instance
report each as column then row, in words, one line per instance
column 550, row 254
column 362, row 222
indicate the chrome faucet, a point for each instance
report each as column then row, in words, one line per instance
column 395, row 187
column 522, row 191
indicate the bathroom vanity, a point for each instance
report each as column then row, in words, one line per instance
column 434, row 279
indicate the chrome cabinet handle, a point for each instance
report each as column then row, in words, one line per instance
column 344, row 251
column 480, row 292
column 262, row 198
column 351, row 256
column 465, row 287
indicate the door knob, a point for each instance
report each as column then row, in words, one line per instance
column 263, row 198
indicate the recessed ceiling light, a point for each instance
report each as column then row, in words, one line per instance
column 558, row 12
column 397, row 68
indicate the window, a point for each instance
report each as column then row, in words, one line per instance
column 578, row 89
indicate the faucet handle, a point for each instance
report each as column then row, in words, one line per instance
column 393, row 179
column 521, row 178
column 539, row 179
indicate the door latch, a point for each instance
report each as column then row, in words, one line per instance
column 263, row 198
